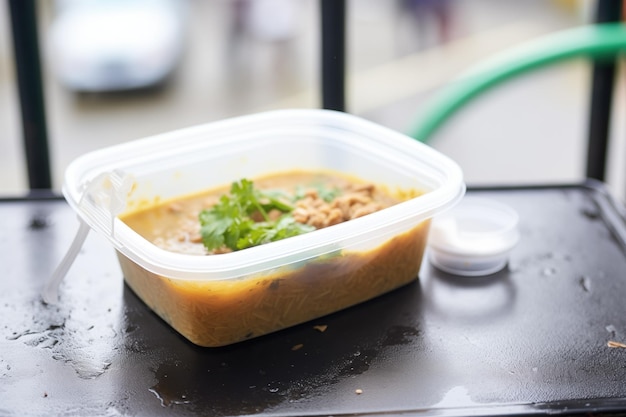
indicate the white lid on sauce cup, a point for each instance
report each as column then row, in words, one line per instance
column 474, row 238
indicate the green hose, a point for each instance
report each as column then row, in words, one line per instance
column 595, row 41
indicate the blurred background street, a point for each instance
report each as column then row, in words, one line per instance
column 240, row 57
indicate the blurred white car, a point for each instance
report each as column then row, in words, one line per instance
column 112, row 45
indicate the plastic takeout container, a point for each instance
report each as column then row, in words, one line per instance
column 222, row 299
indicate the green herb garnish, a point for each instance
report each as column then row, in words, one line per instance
column 230, row 222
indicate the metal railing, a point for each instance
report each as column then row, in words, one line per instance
column 23, row 16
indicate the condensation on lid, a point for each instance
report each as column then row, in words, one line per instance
column 474, row 238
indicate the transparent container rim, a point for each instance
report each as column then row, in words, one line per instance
column 276, row 254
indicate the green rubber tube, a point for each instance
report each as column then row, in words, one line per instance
column 601, row 41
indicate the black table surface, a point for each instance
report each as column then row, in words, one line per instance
column 533, row 338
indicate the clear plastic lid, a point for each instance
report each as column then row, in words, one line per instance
column 201, row 157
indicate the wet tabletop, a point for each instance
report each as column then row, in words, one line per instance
column 533, row 338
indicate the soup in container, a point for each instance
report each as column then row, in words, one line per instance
column 219, row 297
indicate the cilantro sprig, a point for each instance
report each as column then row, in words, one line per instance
column 230, row 222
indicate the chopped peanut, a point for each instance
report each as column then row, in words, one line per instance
column 195, row 238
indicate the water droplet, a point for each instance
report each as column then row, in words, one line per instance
column 38, row 222
column 549, row 271
column 113, row 412
column 590, row 214
column 585, row 283
column 88, row 370
column 168, row 401
column 611, row 329
column 17, row 335
column 274, row 389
